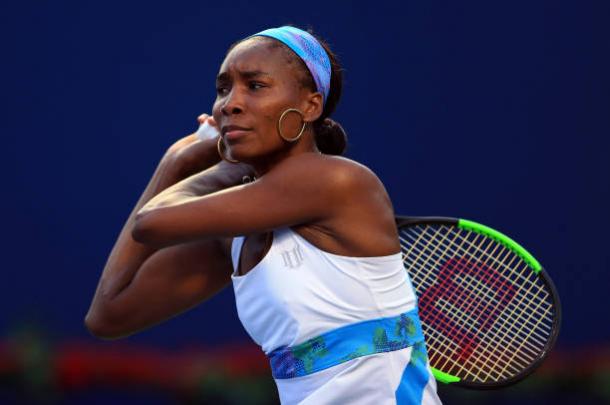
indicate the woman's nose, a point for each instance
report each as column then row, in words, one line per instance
column 233, row 103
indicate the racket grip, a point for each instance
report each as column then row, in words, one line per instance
column 206, row 131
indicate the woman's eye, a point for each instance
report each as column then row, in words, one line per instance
column 256, row 85
column 221, row 90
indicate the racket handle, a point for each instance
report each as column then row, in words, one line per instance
column 206, row 131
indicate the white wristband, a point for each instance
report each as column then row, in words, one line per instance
column 206, row 131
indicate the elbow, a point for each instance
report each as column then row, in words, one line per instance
column 143, row 230
column 155, row 229
column 101, row 328
column 97, row 329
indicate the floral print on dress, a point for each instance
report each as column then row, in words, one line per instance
column 349, row 342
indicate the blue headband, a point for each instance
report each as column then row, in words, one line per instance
column 308, row 49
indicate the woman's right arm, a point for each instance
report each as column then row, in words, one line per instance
column 140, row 285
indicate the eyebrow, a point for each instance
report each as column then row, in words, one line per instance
column 249, row 74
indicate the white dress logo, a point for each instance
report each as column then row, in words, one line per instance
column 293, row 258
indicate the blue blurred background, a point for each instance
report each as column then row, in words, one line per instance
column 493, row 111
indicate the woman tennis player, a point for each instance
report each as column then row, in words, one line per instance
column 309, row 241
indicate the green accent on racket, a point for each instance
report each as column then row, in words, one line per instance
column 505, row 240
column 444, row 377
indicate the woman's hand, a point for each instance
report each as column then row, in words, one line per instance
column 190, row 155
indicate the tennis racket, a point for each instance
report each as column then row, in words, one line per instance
column 489, row 311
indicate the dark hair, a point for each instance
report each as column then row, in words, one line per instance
column 330, row 137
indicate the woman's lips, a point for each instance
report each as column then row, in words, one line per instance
column 235, row 134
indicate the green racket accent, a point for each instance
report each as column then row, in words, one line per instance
column 503, row 239
column 444, row 377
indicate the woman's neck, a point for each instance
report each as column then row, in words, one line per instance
column 304, row 145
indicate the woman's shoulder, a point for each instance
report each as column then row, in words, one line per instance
column 335, row 170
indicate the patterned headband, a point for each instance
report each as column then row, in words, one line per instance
column 308, row 49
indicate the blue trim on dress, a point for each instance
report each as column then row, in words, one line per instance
column 346, row 343
column 414, row 377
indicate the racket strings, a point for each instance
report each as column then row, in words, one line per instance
column 531, row 281
column 471, row 284
column 455, row 348
column 436, row 263
column 472, row 304
column 524, row 338
column 458, row 233
column 508, row 342
column 475, row 363
column 442, row 242
column 452, row 346
column 427, row 273
column 533, row 311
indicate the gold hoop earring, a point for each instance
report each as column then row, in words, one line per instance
column 279, row 125
column 220, row 152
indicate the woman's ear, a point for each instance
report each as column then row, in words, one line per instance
column 313, row 106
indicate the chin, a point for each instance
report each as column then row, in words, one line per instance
column 241, row 153
column 249, row 155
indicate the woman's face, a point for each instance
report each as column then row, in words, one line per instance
column 256, row 83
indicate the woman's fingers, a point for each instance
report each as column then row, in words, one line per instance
column 206, row 117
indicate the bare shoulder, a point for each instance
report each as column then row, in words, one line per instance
column 350, row 172
column 360, row 216
column 337, row 172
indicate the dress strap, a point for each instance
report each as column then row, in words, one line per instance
column 236, row 245
column 346, row 343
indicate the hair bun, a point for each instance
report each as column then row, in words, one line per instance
column 331, row 138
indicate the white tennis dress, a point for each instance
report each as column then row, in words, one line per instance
column 337, row 329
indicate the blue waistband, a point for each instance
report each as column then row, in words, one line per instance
column 346, row 343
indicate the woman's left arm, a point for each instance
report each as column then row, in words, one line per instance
column 302, row 189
